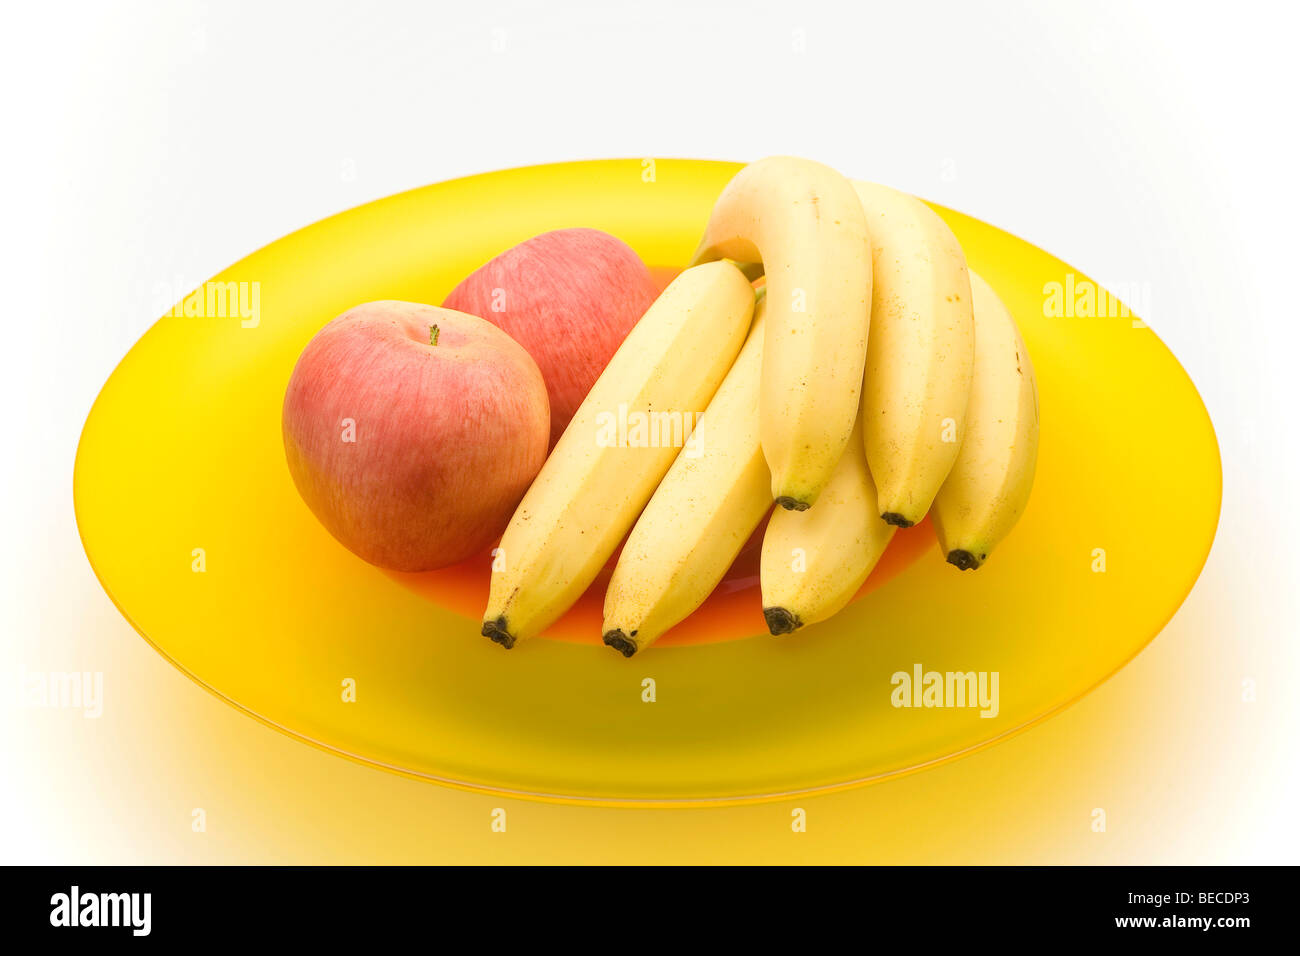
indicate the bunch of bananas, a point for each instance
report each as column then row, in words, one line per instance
column 871, row 380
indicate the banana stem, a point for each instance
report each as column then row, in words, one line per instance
column 750, row 270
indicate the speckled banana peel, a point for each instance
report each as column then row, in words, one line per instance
column 713, row 497
column 988, row 487
column 919, row 355
column 814, row 561
column 597, row 478
column 804, row 222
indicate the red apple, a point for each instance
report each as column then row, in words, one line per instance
column 412, row 432
column 569, row 297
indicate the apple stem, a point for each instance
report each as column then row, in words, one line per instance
column 433, row 335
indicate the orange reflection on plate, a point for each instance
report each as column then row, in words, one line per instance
column 734, row 610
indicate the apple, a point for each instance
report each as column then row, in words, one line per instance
column 412, row 432
column 569, row 297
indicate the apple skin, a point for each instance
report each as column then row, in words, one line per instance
column 569, row 297
column 447, row 437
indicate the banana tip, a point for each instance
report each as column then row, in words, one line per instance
column 496, row 631
column 897, row 520
column 620, row 642
column 964, row 560
column 781, row 621
column 792, row 504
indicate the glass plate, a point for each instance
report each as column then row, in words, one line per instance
column 181, row 466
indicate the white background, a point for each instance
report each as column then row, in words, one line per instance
column 147, row 146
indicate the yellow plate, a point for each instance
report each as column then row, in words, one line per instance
column 192, row 524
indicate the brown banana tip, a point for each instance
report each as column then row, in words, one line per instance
column 620, row 642
column 964, row 560
column 496, row 631
column 792, row 504
column 897, row 520
column 781, row 621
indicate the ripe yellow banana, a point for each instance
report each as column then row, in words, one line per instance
column 804, row 222
column 989, row 485
column 699, row 518
column 920, row 354
column 814, row 561
column 617, row 447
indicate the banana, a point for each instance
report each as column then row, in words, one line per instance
column 613, row 454
column 920, row 353
column 699, row 518
column 804, row 222
column 814, row 561
column 989, row 484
